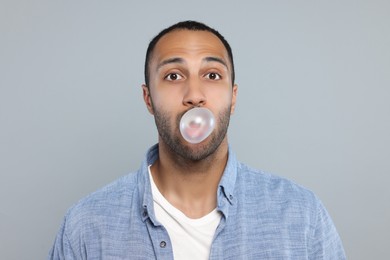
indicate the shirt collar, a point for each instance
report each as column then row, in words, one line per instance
column 228, row 179
column 144, row 186
column 226, row 196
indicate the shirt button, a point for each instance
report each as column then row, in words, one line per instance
column 163, row 244
column 231, row 197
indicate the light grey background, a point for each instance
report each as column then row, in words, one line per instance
column 313, row 105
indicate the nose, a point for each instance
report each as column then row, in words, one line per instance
column 194, row 95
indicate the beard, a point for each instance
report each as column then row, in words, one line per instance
column 171, row 136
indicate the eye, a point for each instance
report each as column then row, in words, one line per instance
column 173, row 76
column 213, row 76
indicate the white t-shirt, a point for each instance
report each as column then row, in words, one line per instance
column 190, row 238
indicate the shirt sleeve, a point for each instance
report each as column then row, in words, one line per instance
column 325, row 242
column 62, row 249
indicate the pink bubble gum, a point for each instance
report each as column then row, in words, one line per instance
column 197, row 124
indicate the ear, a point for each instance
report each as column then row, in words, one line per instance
column 234, row 99
column 147, row 98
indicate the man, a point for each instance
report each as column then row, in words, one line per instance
column 195, row 200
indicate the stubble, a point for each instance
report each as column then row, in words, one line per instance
column 191, row 153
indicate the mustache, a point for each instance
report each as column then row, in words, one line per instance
column 179, row 116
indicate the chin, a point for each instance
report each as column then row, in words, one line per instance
column 198, row 151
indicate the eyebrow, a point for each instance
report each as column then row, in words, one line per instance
column 181, row 61
column 169, row 61
column 216, row 59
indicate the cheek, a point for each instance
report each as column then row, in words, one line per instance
column 167, row 101
column 164, row 92
column 166, row 106
column 219, row 98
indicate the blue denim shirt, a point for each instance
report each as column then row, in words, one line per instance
column 263, row 217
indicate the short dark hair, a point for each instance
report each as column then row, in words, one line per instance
column 191, row 26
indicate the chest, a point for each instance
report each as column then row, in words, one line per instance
column 242, row 235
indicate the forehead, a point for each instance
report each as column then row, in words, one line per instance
column 180, row 43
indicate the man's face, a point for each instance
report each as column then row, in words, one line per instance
column 190, row 69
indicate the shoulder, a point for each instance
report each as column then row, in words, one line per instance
column 289, row 213
column 101, row 216
column 267, row 184
column 115, row 198
column 275, row 196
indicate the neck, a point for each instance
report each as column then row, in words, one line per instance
column 191, row 186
